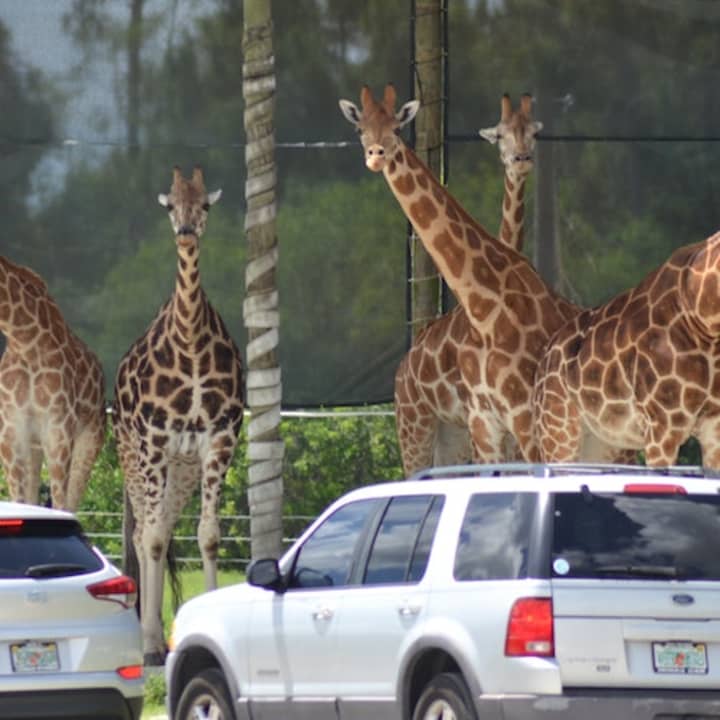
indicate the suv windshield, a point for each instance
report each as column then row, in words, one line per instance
column 44, row 549
column 646, row 536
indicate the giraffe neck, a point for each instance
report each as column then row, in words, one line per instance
column 512, row 227
column 188, row 307
column 450, row 235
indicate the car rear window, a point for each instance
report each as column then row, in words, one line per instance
column 494, row 537
column 647, row 535
column 44, row 549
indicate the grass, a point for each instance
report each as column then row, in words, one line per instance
column 192, row 583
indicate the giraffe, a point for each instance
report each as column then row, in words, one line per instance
column 510, row 310
column 430, row 395
column 177, row 411
column 52, row 402
column 640, row 371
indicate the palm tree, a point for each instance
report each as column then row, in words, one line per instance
column 265, row 446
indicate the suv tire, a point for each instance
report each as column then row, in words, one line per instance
column 445, row 697
column 205, row 696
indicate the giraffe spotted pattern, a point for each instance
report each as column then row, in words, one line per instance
column 52, row 402
column 177, row 411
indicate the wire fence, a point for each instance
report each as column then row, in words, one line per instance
column 104, row 529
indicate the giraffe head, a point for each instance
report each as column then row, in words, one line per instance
column 188, row 204
column 378, row 124
column 515, row 136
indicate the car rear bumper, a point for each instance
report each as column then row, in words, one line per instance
column 85, row 704
column 601, row 704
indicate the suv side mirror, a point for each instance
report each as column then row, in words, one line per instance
column 265, row 573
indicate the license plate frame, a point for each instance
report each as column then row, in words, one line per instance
column 33, row 656
column 675, row 657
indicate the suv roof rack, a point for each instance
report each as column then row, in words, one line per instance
column 555, row 469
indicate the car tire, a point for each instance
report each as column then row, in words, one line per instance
column 446, row 697
column 205, row 696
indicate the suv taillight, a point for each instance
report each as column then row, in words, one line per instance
column 654, row 489
column 530, row 629
column 120, row 589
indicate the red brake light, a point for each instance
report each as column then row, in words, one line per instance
column 656, row 488
column 120, row 589
column 530, row 629
column 11, row 526
column 130, row 672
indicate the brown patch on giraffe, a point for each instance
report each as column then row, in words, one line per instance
column 497, row 257
column 523, row 307
column 665, row 280
column 423, row 212
column 479, row 433
column 655, row 342
column 708, row 303
column 604, row 341
column 693, row 368
column 526, row 367
column 427, row 371
column 638, row 322
column 451, row 210
column 535, row 341
column 438, row 193
column 506, row 335
column 422, row 181
column 646, row 375
column 515, row 391
column 411, row 160
column 447, row 358
column 592, row 400
column 506, row 234
column 470, row 367
column 445, row 397
column 668, row 393
column 693, row 399
column 456, row 230
column 452, row 252
column 484, row 275
column 519, row 214
column 404, row 184
column 480, row 308
column 592, row 373
column 614, row 384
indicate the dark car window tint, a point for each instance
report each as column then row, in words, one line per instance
column 325, row 559
column 494, row 537
column 649, row 536
column 396, row 541
column 424, row 544
column 44, row 549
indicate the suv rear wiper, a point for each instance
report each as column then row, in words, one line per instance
column 54, row 569
column 644, row 571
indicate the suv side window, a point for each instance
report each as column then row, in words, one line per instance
column 402, row 544
column 326, row 557
column 495, row 536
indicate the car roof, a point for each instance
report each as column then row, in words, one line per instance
column 9, row 509
column 558, row 477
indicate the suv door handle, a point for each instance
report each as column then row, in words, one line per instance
column 408, row 609
column 323, row 613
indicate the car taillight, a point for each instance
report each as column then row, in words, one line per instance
column 530, row 629
column 120, row 589
column 130, row 672
column 655, row 488
column 11, row 526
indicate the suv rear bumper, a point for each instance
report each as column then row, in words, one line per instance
column 600, row 704
column 84, row 704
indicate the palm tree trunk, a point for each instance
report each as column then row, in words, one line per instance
column 265, row 446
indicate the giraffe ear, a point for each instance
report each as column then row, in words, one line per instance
column 490, row 134
column 350, row 111
column 537, row 127
column 407, row 112
column 163, row 200
column 213, row 197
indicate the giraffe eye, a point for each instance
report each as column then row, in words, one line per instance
column 169, row 207
column 206, row 207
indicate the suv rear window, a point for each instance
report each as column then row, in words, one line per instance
column 648, row 536
column 44, row 549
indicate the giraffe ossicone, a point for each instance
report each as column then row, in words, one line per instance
column 177, row 412
column 52, row 394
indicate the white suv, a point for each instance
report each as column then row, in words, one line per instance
column 506, row 591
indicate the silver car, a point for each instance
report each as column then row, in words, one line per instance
column 70, row 639
column 508, row 591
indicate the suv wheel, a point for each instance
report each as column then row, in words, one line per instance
column 205, row 696
column 446, row 697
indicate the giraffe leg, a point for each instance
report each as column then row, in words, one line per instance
column 17, row 461
column 215, row 465
column 453, row 445
column 86, row 448
column 708, row 435
column 416, row 432
column 662, row 444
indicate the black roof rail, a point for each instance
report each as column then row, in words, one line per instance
column 555, row 469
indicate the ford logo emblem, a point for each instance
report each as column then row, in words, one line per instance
column 682, row 599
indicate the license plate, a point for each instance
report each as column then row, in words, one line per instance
column 34, row 656
column 680, row 658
